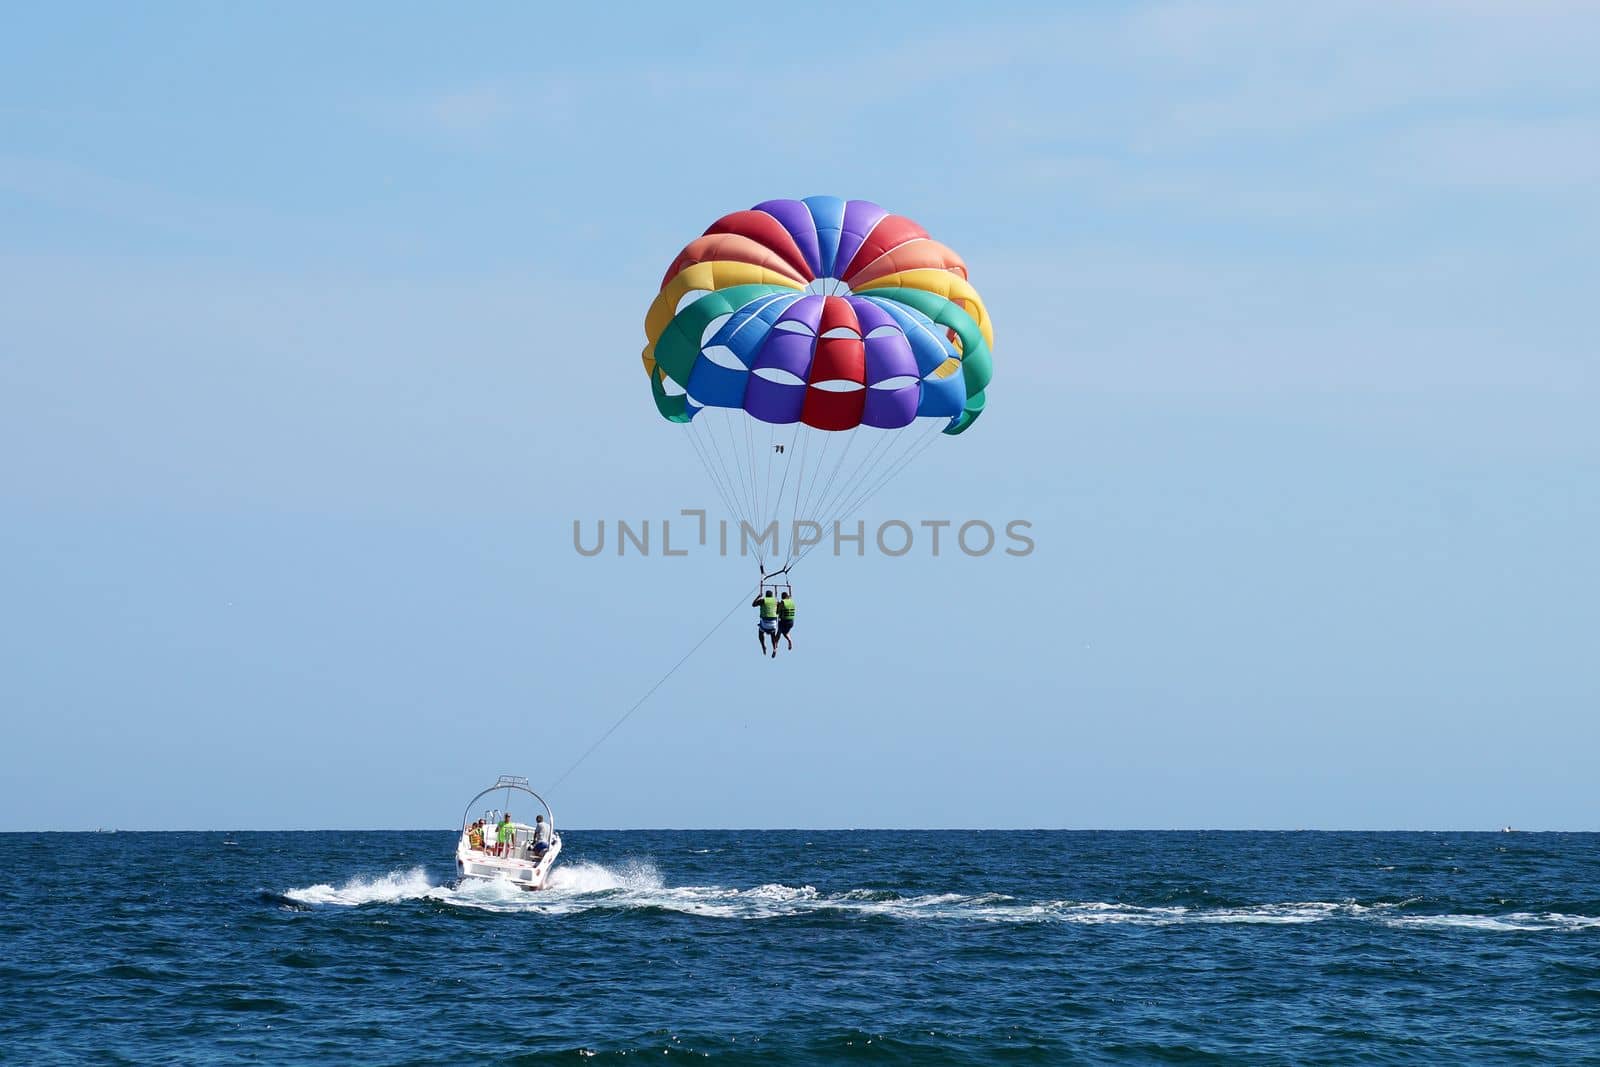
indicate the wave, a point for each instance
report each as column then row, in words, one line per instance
column 1517, row 921
column 584, row 877
column 396, row 885
column 582, row 887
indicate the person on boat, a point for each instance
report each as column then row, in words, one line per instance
column 541, row 837
column 768, row 623
column 504, row 834
column 785, row 620
column 475, row 836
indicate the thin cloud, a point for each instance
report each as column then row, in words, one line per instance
column 1532, row 155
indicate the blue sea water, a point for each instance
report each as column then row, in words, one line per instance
column 804, row 947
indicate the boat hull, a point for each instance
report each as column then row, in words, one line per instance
column 528, row 874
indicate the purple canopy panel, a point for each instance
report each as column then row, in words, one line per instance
column 890, row 409
column 860, row 216
column 772, row 401
column 786, row 350
column 889, row 355
column 795, row 218
column 808, row 309
column 870, row 315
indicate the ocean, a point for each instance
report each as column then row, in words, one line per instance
column 902, row 947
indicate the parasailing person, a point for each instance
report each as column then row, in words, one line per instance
column 786, row 611
column 767, row 621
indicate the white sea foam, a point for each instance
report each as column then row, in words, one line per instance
column 594, row 878
column 774, row 891
column 1512, row 922
column 584, row 886
column 396, row 885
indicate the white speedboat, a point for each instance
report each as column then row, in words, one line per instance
column 525, row 860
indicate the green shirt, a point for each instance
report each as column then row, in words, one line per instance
column 505, row 833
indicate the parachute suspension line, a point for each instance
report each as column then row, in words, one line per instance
column 862, row 472
column 801, row 506
column 815, row 513
column 811, row 511
column 783, row 483
column 914, row 448
column 714, row 421
column 716, row 482
column 723, row 484
column 715, row 453
column 739, row 457
column 740, row 478
column 733, row 455
column 912, row 453
column 857, row 476
column 764, row 482
column 648, row 693
column 766, row 489
column 806, row 437
column 818, row 485
column 705, row 464
column 750, row 453
column 757, row 505
column 802, row 503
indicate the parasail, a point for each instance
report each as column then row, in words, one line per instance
column 813, row 348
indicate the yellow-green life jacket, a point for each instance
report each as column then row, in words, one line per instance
column 786, row 608
column 769, row 607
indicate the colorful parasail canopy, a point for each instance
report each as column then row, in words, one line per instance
column 827, row 312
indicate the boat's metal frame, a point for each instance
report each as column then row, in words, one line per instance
column 525, row 873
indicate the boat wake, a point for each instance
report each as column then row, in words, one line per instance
column 396, row 885
column 578, row 888
column 568, row 882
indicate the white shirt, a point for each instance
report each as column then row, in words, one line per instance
column 542, row 833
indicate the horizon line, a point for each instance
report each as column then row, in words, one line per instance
column 828, row 830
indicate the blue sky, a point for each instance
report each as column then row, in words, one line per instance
column 318, row 328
